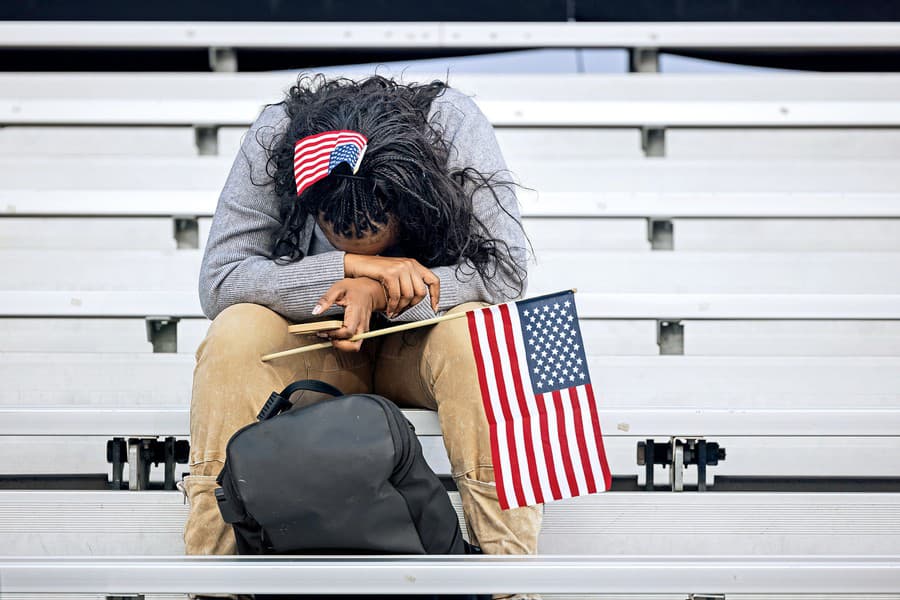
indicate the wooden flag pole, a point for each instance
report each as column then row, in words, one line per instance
column 369, row 334
column 380, row 332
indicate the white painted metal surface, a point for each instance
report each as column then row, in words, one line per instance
column 54, row 523
column 427, row 575
column 128, row 34
column 626, row 383
column 78, row 303
column 771, row 144
column 97, row 141
column 829, row 178
column 96, row 233
column 263, row 88
column 733, row 306
column 857, row 457
column 502, row 113
column 652, row 422
column 182, row 202
column 800, row 457
column 602, row 337
column 792, row 338
column 787, row 235
column 872, row 273
column 596, row 233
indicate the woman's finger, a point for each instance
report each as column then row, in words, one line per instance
column 347, row 346
column 420, row 288
column 351, row 324
column 363, row 326
column 434, row 287
column 407, row 292
column 392, row 285
column 334, row 293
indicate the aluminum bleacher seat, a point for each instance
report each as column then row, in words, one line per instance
column 733, row 240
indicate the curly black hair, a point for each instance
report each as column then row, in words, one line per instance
column 404, row 173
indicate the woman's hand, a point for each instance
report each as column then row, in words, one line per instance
column 360, row 297
column 405, row 280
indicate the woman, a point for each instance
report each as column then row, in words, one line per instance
column 426, row 225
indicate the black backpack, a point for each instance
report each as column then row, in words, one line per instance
column 342, row 476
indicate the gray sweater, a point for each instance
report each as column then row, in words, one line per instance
column 236, row 265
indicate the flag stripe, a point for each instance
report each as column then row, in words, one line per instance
column 331, row 136
column 537, row 445
column 516, row 426
column 526, row 415
column 502, row 466
column 559, row 465
column 488, row 409
column 572, row 439
column 582, row 444
column 564, row 444
column 504, row 405
column 590, row 440
column 547, row 444
column 598, row 436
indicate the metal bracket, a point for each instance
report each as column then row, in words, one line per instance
column 643, row 60
column 670, row 337
column 140, row 454
column 223, row 60
column 676, row 473
column 661, row 234
column 653, row 141
column 162, row 332
column 187, row 233
column 677, row 454
column 206, row 140
column 117, row 454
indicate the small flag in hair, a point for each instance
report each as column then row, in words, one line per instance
column 316, row 156
column 546, row 442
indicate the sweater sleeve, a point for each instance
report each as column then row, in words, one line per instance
column 236, row 266
column 474, row 144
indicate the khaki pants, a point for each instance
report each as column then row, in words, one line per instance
column 432, row 367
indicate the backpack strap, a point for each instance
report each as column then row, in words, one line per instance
column 278, row 403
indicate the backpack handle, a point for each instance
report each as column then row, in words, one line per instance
column 278, row 403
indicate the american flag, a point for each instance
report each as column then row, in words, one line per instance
column 546, row 442
column 315, row 156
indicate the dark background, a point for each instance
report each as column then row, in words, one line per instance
column 454, row 10
column 12, row 59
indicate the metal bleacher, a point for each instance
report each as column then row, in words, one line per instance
column 735, row 240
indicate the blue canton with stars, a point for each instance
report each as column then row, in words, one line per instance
column 553, row 343
column 344, row 153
